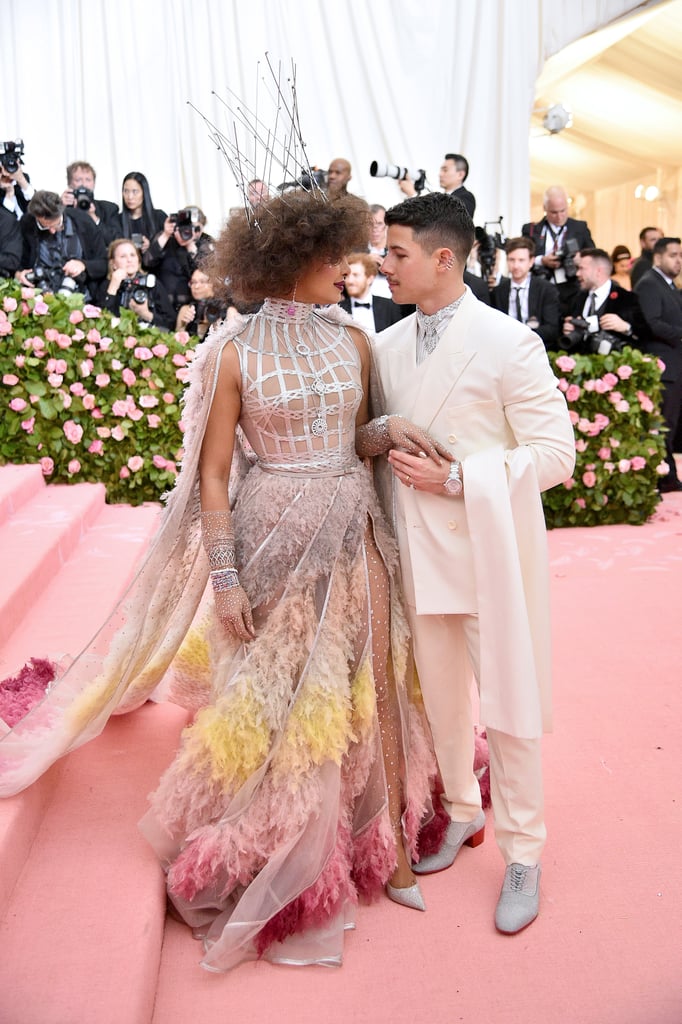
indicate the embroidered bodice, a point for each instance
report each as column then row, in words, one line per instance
column 301, row 389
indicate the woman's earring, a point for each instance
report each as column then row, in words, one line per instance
column 291, row 309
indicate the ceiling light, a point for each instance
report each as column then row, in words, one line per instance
column 651, row 193
column 639, row 191
column 557, row 118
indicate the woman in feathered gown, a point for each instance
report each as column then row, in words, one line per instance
column 305, row 776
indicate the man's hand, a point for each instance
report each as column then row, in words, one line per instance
column 612, row 322
column 419, row 472
column 406, row 186
column 568, row 326
column 74, row 268
column 68, row 198
column 551, row 260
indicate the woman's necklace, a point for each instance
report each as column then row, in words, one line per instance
column 317, row 385
column 299, row 317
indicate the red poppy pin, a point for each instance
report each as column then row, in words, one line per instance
column 613, row 295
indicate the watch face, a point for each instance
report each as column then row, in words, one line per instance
column 453, row 486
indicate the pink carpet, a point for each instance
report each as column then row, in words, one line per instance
column 82, row 939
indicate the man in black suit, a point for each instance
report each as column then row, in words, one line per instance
column 103, row 214
column 10, row 243
column 661, row 304
column 558, row 238
column 63, row 245
column 647, row 240
column 373, row 312
column 613, row 315
column 526, row 297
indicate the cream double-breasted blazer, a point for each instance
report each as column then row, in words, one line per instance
column 488, row 394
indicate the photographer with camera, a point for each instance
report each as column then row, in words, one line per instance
column 177, row 250
column 558, row 238
column 10, row 243
column 128, row 287
column 139, row 220
column 80, row 193
column 14, row 182
column 604, row 316
column 453, row 172
column 62, row 250
column 205, row 309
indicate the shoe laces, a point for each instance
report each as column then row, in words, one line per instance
column 517, row 877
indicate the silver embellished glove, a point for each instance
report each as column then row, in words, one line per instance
column 385, row 432
column 231, row 603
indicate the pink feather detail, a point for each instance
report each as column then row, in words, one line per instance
column 20, row 693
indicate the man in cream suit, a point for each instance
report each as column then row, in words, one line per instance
column 472, row 535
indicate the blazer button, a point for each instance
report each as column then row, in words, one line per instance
column 452, row 525
column 452, row 438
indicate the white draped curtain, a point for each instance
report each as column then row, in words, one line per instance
column 403, row 81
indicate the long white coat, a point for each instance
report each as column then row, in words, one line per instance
column 489, row 395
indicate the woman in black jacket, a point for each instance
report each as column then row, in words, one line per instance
column 128, row 287
column 138, row 220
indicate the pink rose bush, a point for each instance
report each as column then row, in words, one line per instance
column 614, row 406
column 89, row 396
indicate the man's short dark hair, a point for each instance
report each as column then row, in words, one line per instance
column 512, row 244
column 600, row 255
column 663, row 243
column 642, row 234
column 436, row 219
column 46, row 205
column 461, row 163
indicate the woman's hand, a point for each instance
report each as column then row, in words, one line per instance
column 411, row 438
column 142, row 310
column 185, row 316
column 234, row 611
column 117, row 278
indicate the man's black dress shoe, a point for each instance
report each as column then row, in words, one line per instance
column 670, row 485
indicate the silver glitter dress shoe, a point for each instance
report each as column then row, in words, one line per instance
column 408, row 897
column 459, row 833
column 519, row 898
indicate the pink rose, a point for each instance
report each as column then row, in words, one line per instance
column 182, row 375
column 624, row 466
column 589, row 479
column 73, row 467
column 168, row 398
column 179, row 359
column 584, row 425
column 10, row 379
column 90, row 350
column 588, row 385
column 609, row 467
column 600, row 387
column 604, row 453
column 40, row 308
column 624, row 372
column 580, row 445
column 146, row 373
column 154, row 421
column 135, row 414
column 565, row 364
column 88, row 402
column 105, row 344
column 580, row 502
column 66, row 400
column 117, row 433
column 97, row 414
column 5, row 328
column 130, row 342
column 124, row 472
column 160, row 351
column 78, row 334
column 614, row 442
column 610, row 380
column 103, row 432
column 9, row 304
column 47, row 466
column 19, row 361
column 573, row 393
column 662, row 468
column 73, row 431
column 18, row 405
column 75, row 316
column 92, row 312
column 120, row 407
column 148, row 401
column 86, row 367
column 64, row 341
column 563, row 384
column 102, row 379
column 77, row 389
column 34, row 399
column 572, row 415
column 129, row 377
column 27, row 293
column 96, row 448
column 622, row 406
column 569, row 484
column 55, row 379
column 638, row 463
column 182, row 337
column 135, row 463
column 116, row 364
column 142, row 352
column 28, row 425
column 661, row 365
column 159, row 462
column 51, row 334
column 645, row 402
column 93, row 336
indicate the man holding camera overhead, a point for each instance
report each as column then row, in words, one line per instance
column 558, row 238
column 80, row 193
column 454, row 171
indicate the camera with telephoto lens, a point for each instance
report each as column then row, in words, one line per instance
column 10, row 155
column 587, row 338
column 208, row 311
column 83, row 196
column 138, row 289
column 185, row 222
column 51, row 279
column 488, row 244
column 417, row 175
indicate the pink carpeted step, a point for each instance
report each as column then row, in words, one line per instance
column 81, row 936
column 17, row 485
column 36, row 541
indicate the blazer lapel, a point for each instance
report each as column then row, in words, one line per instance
column 438, row 374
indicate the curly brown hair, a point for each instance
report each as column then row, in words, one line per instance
column 294, row 230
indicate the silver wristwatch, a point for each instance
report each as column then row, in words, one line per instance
column 453, row 485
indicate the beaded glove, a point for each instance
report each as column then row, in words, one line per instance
column 231, row 603
column 377, row 436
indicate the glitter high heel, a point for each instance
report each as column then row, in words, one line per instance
column 410, row 896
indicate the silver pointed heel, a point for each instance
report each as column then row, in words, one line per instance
column 411, row 896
